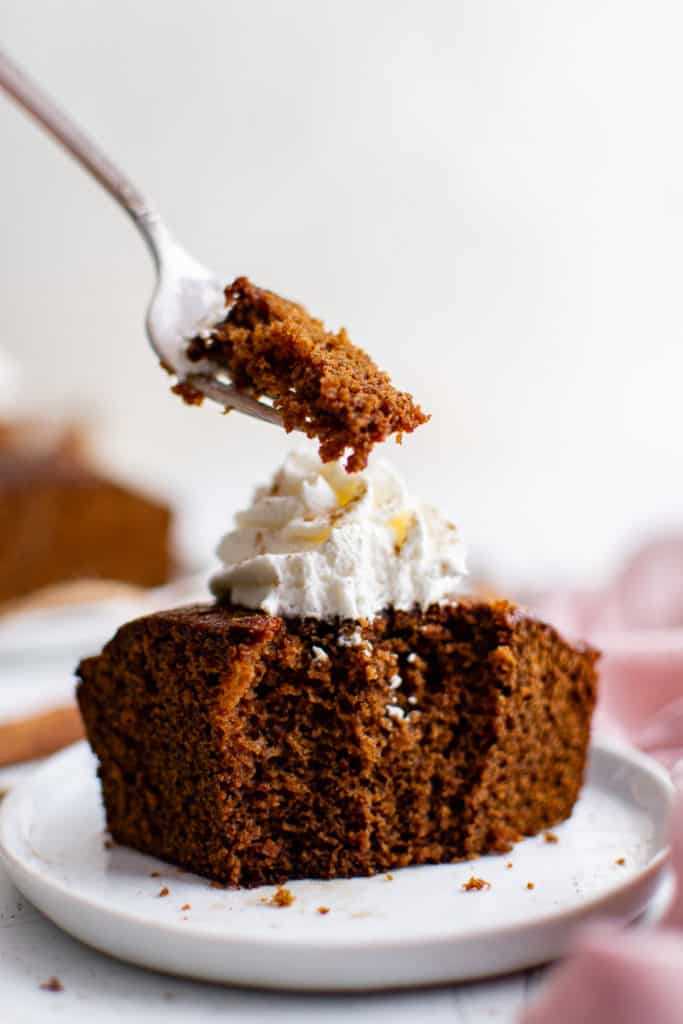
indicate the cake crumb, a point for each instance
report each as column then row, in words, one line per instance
column 280, row 898
column 474, row 884
column 155, row 874
column 620, row 860
column 218, row 885
column 109, row 844
column 509, row 864
column 530, row 885
column 165, row 891
column 186, row 906
column 550, row 837
column 323, row 910
column 389, row 878
column 52, row 984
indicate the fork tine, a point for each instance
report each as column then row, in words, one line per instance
column 228, row 396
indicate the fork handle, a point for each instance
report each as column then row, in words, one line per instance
column 62, row 128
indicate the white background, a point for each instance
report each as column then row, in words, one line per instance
column 489, row 195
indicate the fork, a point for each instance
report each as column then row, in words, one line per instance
column 188, row 298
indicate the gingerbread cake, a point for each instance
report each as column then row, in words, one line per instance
column 62, row 519
column 357, row 716
column 319, row 381
column 254, row 749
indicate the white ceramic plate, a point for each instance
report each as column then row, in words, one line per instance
column 417, row 928
column 83, row 627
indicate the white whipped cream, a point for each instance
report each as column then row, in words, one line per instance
column 324, row 543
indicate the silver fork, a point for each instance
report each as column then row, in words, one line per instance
column 188, row 299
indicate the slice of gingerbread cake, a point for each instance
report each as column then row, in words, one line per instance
column 340, row 709
column 319, row 381
column 63, row 519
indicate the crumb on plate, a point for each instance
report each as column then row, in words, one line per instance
column 474, row 884
column 52, row 984
column 280, row 898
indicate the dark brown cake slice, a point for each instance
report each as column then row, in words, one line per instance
column 253, row 749
column 61, row 519
column 319, row 381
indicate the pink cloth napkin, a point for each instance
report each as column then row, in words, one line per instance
column 612, row 974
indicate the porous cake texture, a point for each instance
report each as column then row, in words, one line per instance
column 253, row 749
column 320, row 382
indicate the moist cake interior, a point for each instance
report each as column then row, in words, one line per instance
column 320, row 382
column 253, row 749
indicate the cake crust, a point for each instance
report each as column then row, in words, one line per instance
column 230, row 746
column 319, row 381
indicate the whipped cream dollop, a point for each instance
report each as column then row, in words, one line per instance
column 324, row 543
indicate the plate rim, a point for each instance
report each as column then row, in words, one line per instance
column 17, row 868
